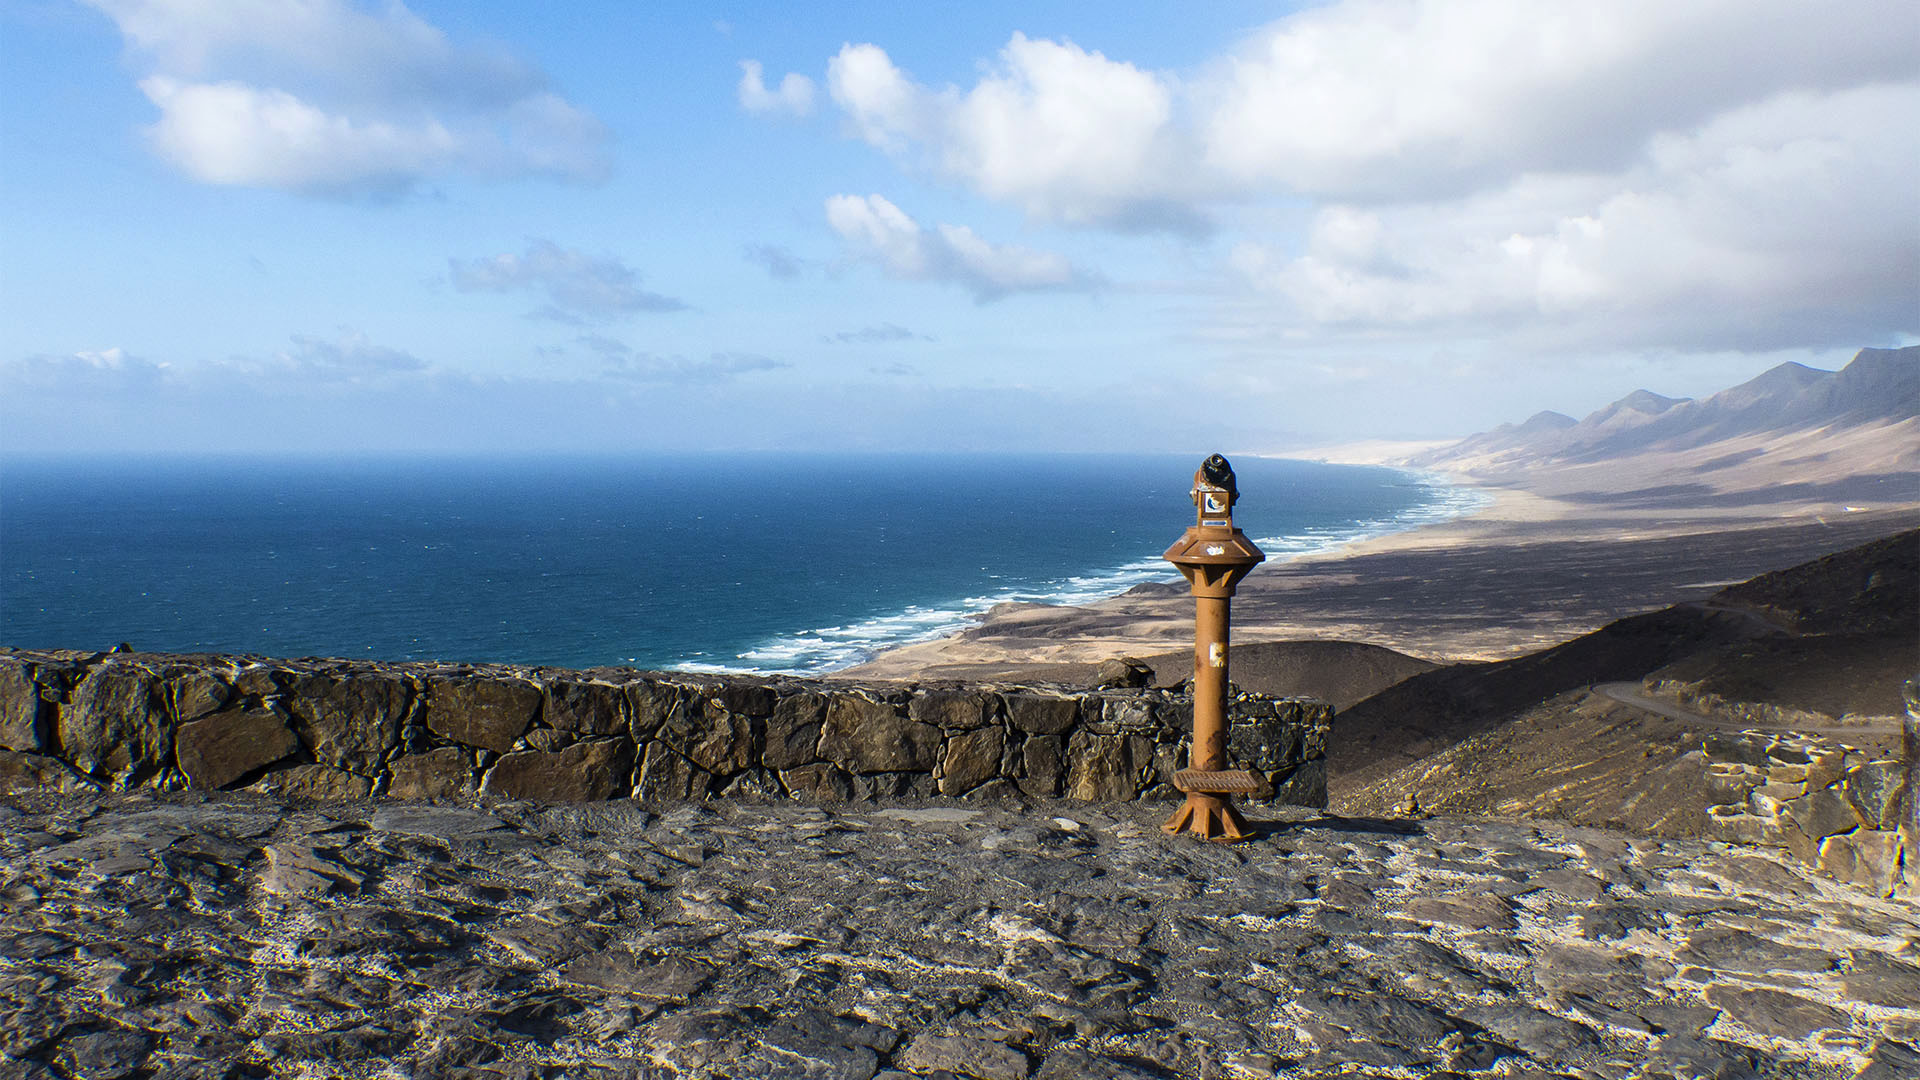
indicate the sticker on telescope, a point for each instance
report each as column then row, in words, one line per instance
column 1213, row 521
column 1214, row 503
column 1216, row 549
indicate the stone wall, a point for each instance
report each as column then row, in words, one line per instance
column 1850, row 818
column 333, row 729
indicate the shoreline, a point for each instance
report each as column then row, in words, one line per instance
column 1537, row 565
column 1446, row 498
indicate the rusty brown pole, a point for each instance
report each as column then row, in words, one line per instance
column 1210, row 646
column 1215, row 556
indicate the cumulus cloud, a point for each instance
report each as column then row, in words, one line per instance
column 1062, row 132
column 1767, row 228
column 1716, row 175
column 1362, row 98
column 874, row 335
column 321, row 97
column 793, row 96
column 877, row 231
column 1398, row 98
column 578, row 287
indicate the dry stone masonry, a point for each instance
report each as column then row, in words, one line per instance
column 333, row 729
column 1820, row 799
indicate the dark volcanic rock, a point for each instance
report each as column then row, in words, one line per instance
column 22, row 714
column 586, row 771
column 972, row 759
column 1041, row 714
column 217, row 750
column 793, row 730
column 488, row 713
column 589, row 708
column 437, row 774
column 953, row 710
column 865, row 736
column 348, row 721
column 114, row 728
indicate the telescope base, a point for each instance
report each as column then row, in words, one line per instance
column 1210, row 817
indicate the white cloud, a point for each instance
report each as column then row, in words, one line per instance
column 1712, row 175
column 878, row 231
column 1063, row 133
column 578, row 286
column 320, row 97
column 1772, row 226
column 1397, row 98
column 231, row 133
column 794, row 94
column 1363, row 99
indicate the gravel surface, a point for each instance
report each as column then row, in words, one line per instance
column 170, row 935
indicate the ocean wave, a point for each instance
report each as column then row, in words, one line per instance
column 827, row 649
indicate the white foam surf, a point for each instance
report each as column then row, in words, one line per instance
column 832, row 648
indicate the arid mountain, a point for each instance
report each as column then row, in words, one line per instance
column 1794, row 441
column 1879, row 389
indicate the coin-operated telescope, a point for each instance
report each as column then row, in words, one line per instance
column 1215, row 556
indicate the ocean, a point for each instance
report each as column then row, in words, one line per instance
column 797, row 563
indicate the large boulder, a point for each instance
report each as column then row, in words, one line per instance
column 1042, row 714
column 588, row 771
column 115, row 727
column 1873, row 789
column 793, row 730
column 193, row 692
column 349, row 721
column 867, row 736
column 665, row 776
column 1107, row 768
column 972, row 758
column 216, row 750
column 490, row 713
column 706, row 733
column 22, row 713
column 953, row 710
column 585, row 707
column 442, row 773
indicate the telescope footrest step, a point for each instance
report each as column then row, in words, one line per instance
column 1227, row 782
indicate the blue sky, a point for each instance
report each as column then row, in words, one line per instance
column 322, row 225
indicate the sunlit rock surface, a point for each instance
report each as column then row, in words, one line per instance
column 233, row 934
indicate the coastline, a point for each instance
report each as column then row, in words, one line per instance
column 1537, row 565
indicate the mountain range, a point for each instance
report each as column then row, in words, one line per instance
column 1879, row 387
column 1847, row 436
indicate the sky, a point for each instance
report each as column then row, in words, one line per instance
column 332, row 226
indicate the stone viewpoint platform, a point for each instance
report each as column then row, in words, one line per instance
column 185, row 934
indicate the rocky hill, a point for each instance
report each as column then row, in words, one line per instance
column 1825, row 644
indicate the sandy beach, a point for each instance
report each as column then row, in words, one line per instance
column 1553, row 555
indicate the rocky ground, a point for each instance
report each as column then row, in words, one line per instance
column 170, row 935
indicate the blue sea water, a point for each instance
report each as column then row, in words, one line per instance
column 771, row 563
